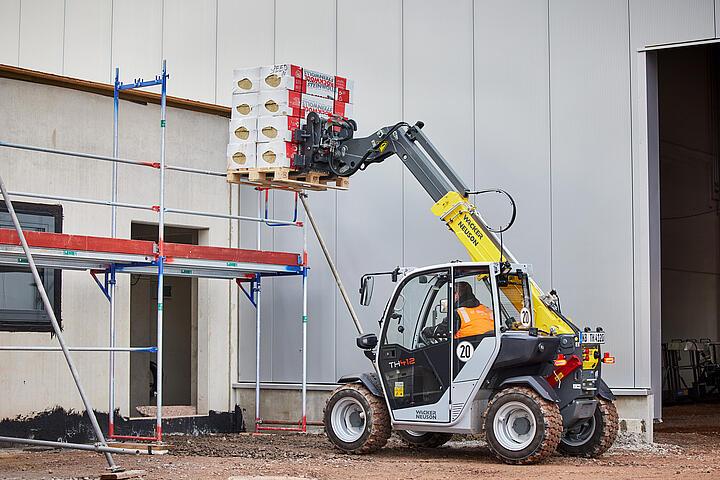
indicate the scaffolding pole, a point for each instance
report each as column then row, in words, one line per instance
column 161, row 258
column 333, row 268
column 113, row 234
column 56, row 327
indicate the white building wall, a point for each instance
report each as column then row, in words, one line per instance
column 537, row 97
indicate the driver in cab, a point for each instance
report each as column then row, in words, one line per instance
column 471, row 318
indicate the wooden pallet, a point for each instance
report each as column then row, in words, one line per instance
column 286, row 179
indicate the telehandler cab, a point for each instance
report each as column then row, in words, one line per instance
column 465, row 347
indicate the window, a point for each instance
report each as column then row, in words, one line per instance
column 21, row 308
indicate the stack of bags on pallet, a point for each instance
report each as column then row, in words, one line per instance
column 270, row 103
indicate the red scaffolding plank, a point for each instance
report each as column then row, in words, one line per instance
column 65, row 241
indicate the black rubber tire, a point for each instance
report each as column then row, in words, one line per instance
column 548, row 423
column 377, row 420
column 425, row 439
column 603, row 436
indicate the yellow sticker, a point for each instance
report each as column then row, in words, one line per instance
column 399, row 389
column 383, row 146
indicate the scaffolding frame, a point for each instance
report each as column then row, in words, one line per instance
column 110, row 263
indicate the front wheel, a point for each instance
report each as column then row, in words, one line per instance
column 356, row 421
column 593, row 437
column 521, row 427
column 423, row 439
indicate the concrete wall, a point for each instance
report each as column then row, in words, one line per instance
column 67, row 119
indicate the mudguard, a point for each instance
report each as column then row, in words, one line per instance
column 537, row 383
column 369, row 381
column 603, row 391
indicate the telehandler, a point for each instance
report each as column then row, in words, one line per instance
column 530, row 380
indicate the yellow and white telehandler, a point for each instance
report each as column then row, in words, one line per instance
column 530, row 381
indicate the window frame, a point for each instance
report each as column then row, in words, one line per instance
column 42, row 324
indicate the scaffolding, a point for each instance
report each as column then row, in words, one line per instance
column 110, row 256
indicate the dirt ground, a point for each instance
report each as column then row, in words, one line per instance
column 688, row 446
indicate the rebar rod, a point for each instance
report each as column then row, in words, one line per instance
column 56, row 327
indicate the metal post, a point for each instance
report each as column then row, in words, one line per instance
column 257, row 349
column 113, row 232
column 257, row 317
column 161, row 256
column 76, row 446
column 56, row 327
column 333, row 269
column 19, row 348
column 304, row 327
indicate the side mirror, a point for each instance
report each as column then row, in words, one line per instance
column 443, row 305
column 367, row 341
column 366, row 289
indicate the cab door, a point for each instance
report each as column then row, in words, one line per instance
column 415, row 369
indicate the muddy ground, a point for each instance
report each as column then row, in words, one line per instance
column 688, row 446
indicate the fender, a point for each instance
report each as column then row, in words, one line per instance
column 603, row 391
column 537, row 383
column 368, row 380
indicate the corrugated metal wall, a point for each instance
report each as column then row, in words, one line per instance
column 533, row 96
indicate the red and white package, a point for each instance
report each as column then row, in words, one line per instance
column 279, row 102
column 324, row 107
column 271, row 128
column 245, row 105
column 243, row 129
column 284, row 76
column 246, row 80
column 275, row 154
column 241, row 155
column 328, row 86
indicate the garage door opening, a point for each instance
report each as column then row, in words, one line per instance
column 179, row 334
column 689, row 129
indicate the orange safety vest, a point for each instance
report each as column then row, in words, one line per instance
column 475, row 321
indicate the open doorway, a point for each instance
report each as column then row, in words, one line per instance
column 689, row 139
column 179, row 334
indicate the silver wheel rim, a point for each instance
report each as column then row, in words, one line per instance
column 413, row 433
column 348, row 419
column 579, row 435
column 514, row 426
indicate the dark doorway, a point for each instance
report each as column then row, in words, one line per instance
column 688, row 101
column 179, row 333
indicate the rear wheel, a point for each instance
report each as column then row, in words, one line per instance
column 593, row 437
column 423, row 439
column 521, row 427
column 356, row 421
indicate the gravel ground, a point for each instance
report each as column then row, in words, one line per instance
column 679, row 451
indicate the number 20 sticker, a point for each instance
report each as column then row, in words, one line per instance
column 465, row 351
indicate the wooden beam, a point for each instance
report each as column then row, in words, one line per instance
column 107, row 90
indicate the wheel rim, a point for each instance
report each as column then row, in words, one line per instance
column 514, row 426
column 580, row 434
column 413, row 433
column 348, row 419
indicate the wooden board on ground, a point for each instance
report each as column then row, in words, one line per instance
column 123, row 475
column 286, row 179
column 151, row 448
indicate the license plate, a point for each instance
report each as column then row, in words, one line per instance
column 593, row 337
